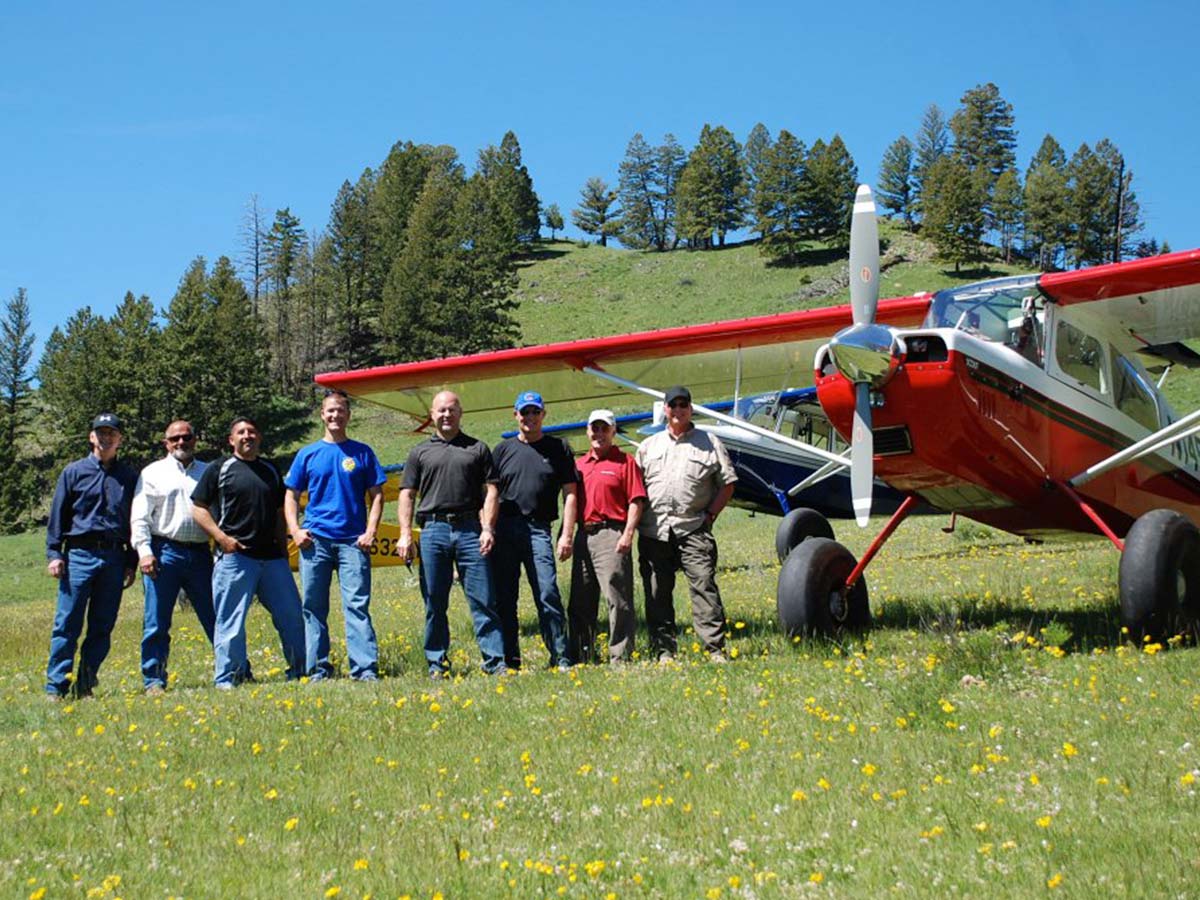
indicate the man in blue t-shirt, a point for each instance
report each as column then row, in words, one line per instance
column 340, row 476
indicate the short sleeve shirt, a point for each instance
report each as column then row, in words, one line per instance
column 532, row 475
column 682, row 477
column 449, row 475
column 336, row 475
column 610, row 483
column 244, row 498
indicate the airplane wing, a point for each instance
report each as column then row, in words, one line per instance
column 752, row 355
column 1142, row 303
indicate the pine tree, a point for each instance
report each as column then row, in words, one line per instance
column 253, row 259
column 554, row 219
column 830, row 182
column 70, row 384
column 953, row 212
column 352, row 252
column 1006, row 210
column 647, row 192
column 1126, row 212
column 711, row 194
column 933, row 142
column 896, row 188
column 1091, row 205
column 285, row 243
column 1045, row 205
column 755, row 156
column 134, row 376
column 780, row 206
column 18, row 480
column 511, row 190
column 984, row 136
column 595, row 214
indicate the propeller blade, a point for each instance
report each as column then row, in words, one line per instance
column 864, row 258
column 862, row 455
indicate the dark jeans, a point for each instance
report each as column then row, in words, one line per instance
column 90, row 587
column 529, row 544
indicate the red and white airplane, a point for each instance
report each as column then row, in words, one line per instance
column 1022, row 403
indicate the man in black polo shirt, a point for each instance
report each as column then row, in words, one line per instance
column 455, row 477
column 533, row 468
column 239, row 504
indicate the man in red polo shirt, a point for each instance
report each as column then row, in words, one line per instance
column 613, row 498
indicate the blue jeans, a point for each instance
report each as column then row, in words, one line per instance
column 91, row 586
column 317, row 565
column 179, row 566
column 442, row 546
column 528, row 543
column 236, row 579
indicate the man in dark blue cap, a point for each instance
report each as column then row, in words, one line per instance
column 533, row 469
column 88, row 551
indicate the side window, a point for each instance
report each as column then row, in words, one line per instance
column 1132, row 395
column 1080, row 355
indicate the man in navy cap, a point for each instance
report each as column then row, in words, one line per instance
column 88, row 551
column 533, row 469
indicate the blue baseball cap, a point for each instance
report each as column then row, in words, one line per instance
column 528, row 398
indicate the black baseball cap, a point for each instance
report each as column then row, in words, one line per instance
column 106, row 420
column 679, row 392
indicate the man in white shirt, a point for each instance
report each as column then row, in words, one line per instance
column 172, row 549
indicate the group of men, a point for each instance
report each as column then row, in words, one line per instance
column 488, row 514
column 484, row 515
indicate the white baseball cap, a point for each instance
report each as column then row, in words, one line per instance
column 602, row 415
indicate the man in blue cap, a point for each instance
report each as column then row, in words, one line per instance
column 88, row 551
column 533, row 469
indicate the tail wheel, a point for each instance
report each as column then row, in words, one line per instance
column 798, row 526
column 812, row 598
column 1159, row 576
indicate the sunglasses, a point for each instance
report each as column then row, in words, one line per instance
column 531, row 411
column 679, row 404
column 175, row 438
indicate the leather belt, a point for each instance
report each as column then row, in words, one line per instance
column 452, row 518
column 596, row 527
column 94, row 541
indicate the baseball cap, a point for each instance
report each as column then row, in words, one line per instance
column 528, row 398
column 106, row 420
column 679, row 392
column 602, row 415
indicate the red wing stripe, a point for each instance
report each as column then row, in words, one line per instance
column 1138, row 276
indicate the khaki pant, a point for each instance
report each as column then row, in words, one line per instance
column 598, row 570
column 696, row 554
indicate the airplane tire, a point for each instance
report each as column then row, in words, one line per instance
column 796, row 527
column 807, row 595
column 1159, row 576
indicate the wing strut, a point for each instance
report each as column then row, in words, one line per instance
column 1164, row 437
column 721, row 417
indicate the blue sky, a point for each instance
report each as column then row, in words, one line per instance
column 135, row 133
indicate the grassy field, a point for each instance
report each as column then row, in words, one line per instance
column 992, row 736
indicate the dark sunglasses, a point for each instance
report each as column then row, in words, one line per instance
column 173, row 438
column 679, row 404
column 531, row 411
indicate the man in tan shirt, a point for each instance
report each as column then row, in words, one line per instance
column 689, row 480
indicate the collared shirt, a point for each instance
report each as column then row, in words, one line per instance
column 162, row 504
column 683, row 475
column 450, row 475
column 90, row 500
column 610, row 483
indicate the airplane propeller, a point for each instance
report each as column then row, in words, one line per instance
column 867, row 354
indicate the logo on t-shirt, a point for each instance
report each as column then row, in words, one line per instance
column 348, row 464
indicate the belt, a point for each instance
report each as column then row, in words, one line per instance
column 189, row 545
column 453, row 518
column 595, row 527
column 94, row 541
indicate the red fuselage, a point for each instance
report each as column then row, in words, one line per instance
column 972, row 434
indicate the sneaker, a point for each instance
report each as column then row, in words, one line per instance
column 564, row 666
column 54, row 697
column 718, row 657
column 223, row 686
column 666, row 657
column 367, row 677
column 155, row 690
column 439, row 674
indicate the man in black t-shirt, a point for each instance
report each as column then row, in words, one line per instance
column 533, row 469
column 454, row 475
column 239, row 504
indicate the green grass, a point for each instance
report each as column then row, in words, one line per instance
column 991, row 736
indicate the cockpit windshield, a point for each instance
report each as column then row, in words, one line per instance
column 1005, row 310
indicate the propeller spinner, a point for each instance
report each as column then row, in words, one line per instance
column 866, row 354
